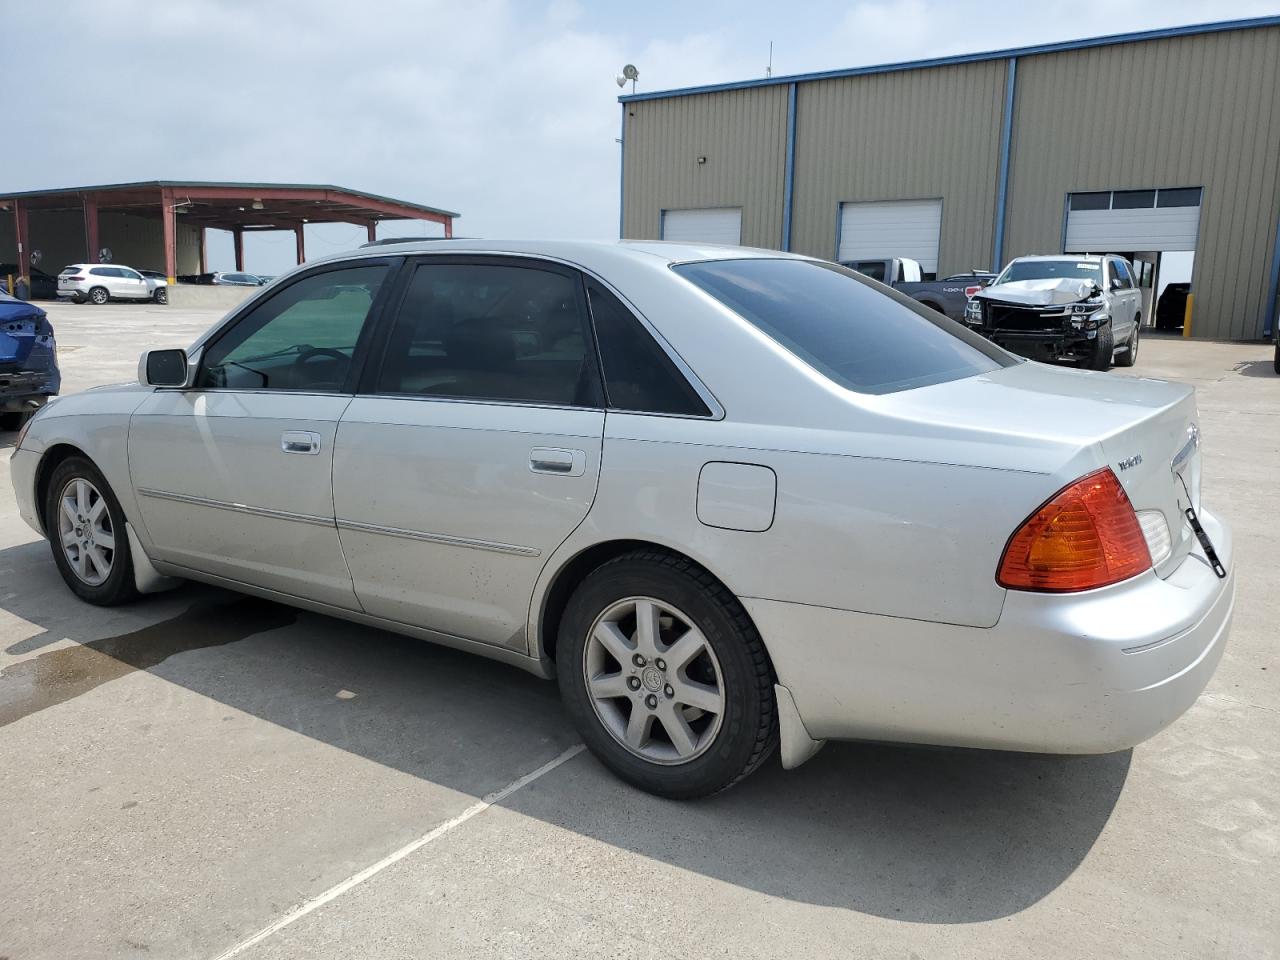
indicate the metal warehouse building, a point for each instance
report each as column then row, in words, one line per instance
column 1140, row 144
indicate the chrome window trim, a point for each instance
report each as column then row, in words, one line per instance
column 490, row 545
column 235, row 507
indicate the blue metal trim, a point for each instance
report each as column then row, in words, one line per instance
column 662, row 224
column 789, row 173
column 622, row 174
column 1223, row 26
column 835, row 255
column 1006, row 142
column 1269, row 324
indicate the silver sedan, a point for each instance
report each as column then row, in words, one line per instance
column 731, row 499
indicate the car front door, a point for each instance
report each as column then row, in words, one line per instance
column 1124, row 299
column 472, row 449
column 132, row 284
column 233, row 474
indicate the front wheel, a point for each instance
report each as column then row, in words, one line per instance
column 1100, row 350
column 665, row 677
column 15, row 420
column 161, row 295
column 86, row 529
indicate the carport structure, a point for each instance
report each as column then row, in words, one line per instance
column 190, row 208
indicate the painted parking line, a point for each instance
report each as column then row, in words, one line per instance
column 306, row 907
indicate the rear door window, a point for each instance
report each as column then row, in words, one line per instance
column 501, row 330
column 863, row 338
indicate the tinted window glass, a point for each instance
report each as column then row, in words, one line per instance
column 638, row 374
column 863, row 338
column 1182, row 197
column 490, row 332
column 303, row 338
column 1091, row 201
column 102, row 272
column 1133, row 199
column 1120, row 269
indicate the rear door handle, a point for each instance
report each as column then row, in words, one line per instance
column 300, row 441
column 558, row 460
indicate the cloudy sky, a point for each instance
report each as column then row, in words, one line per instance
column 505, row 111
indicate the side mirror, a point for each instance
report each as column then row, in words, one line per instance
column 163, row 368
column 1115, row 283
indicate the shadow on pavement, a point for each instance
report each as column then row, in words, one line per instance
column 929, row 836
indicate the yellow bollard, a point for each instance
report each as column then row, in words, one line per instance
column 1186, row 316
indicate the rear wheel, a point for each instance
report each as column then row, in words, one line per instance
column 665, row 676
column 1100, row 350
column 99, row 295
column 86, row 529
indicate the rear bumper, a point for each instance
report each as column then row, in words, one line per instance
column 1079, row 673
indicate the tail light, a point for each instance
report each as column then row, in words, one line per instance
column 1087, row 535
column 73, row 278
column 970, row 291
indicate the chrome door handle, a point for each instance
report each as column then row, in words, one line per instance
column 558, row 460
column 300, row 441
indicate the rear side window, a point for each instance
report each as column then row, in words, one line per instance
column 861, row 337
column 638, row 374
column 103, row 272
column 491, row 331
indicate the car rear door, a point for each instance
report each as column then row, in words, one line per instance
column 233, row 475
column 472, row 449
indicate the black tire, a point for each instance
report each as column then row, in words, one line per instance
column 1101, row 350
column 14, row 421
column 161, row 295
column 98, row 296
column 1277, row 359
column 1130, row 355
column 748, row 729
column 118, row 586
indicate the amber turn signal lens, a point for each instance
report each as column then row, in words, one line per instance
column 1086, row 536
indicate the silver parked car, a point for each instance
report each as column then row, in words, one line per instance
column 729, row 498
column 100, row 282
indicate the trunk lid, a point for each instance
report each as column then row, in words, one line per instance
column 1069, row 422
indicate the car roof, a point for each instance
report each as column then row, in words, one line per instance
column 583, row 251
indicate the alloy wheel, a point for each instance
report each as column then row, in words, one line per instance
column 87, row 535
column 654, row 682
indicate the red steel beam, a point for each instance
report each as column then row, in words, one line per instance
column 92, row 241
column 204, row 250
column 373, row 230
column 24, row 247
column 167, row 217
column 300, row 244
column 237, row 241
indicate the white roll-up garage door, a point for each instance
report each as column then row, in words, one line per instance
column 892, row 228
column 711, row 225
column 1132, row 220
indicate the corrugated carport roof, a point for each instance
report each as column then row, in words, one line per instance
column 226, row 204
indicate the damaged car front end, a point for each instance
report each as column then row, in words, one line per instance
column 1059, row 318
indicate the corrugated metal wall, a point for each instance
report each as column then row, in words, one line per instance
column 1182, row 112
column 1199, row 110
column 902, row 136
column 743, row 135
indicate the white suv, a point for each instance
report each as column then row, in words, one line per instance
column 98, row 283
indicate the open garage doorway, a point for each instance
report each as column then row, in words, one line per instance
column 1155, row 230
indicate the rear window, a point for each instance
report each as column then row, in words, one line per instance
column 861, row 335
column 68, row 271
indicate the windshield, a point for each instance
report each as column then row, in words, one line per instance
column 857, row 333
column 1051, row 270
